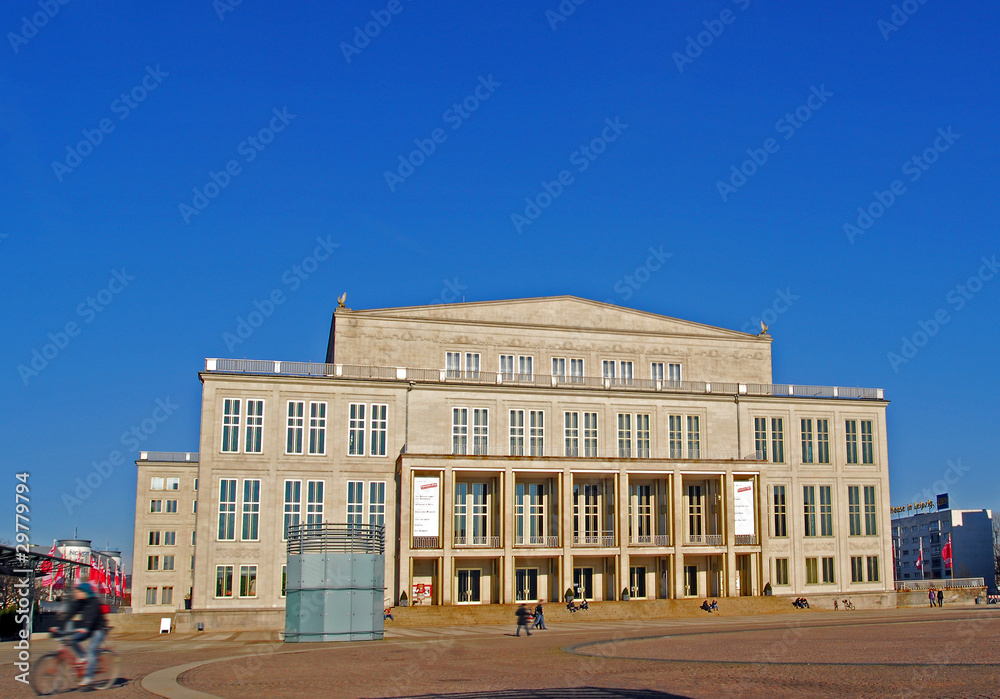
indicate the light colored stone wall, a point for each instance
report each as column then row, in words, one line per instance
column 182, row 523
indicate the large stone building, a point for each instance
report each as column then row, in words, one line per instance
column 515, row 450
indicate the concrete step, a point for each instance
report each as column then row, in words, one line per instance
column 458, row 615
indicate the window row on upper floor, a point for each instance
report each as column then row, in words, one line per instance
column 521, row 367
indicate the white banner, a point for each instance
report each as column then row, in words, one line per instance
column 744, row 508
column 426, row 505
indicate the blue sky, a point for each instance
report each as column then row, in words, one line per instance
column 177, row 164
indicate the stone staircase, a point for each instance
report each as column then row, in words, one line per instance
column 461, row 615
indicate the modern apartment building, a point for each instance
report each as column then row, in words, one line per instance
column 922, row 538
column 515, row 450
column 166, row 507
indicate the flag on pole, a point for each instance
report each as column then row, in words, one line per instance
column 118, row 584
column 946, row 553
column 920, row 558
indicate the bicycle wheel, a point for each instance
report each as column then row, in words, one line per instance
column 106, row 669
column 50, row 675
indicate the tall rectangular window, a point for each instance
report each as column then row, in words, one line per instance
column 453, row 365
column 223, row 581
column 780, row 571
column 809, row 509
column 284, row 580
column 656, row 371
column 376, row 503
column 480, row 431
column 576, row 371
column 460, row 431
column 293, row 506
column 640, row 511
column 156, row 505
column 529, row 513
column 642, row 436
column 625, row 372
column 356, row 429
column 571, row 432
column 168, row 563
column 525, row 369
column 507, row 367
column 156, row 483
column 760, row 437
column 823, row 441
column 675, row 436
column 873, row 574
column 857, row 569
column 154, row 538
column 854, row 510
column 693, row 437
column 355, row 502
column 169, row 538
column 559, row 368
column 150, row 595
column 314, row 502
column 624, row 435
column 227, row 509
column 590, row 434
column 255, row 427
column 609, row 369
column 826, row 510
column 851, row 437
column 168, row 595
column 231, row 425
column 871, row 523
column 674, row 372
column 812, row 571
column 517, row 433
column 170, row 505
column 173, row 483
column 828, row 571
column 867, row 443
column 379, row 429
column 780, row 511
column 152, row 562
column 472, row 365
column 250, row 531
column 317, row 428
column 536, row 432
column 777, row 440
column 248, row 581
column 807, row 440
column 295, row 427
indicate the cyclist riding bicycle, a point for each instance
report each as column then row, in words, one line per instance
column 92, row 625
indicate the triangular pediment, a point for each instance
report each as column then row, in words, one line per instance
column 566, row 312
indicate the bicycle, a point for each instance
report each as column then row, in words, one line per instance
column 59, row 670
column 848, row 604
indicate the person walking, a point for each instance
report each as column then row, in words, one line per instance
column 522, row 620
column 539, row 619
column 940, row 598
column 930, row 596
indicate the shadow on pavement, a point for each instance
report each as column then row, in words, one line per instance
column 555, row 693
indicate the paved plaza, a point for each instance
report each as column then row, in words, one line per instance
column 894, row 653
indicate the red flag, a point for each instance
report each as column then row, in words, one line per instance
column 118, row 584
column 946, row 553
column 920, row 558
column 94, row 573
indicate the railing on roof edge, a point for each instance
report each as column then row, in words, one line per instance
column 353, row 371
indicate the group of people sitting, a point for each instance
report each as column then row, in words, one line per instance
column 713, row 607
column 574, row 607
column 801, row 603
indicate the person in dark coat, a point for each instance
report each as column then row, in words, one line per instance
column 539, row 619
column 522, row 615
column 940, row 597
column 91, row 624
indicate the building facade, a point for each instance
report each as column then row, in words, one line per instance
column 923, row 536
column 517, row 450
column 166, row 508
